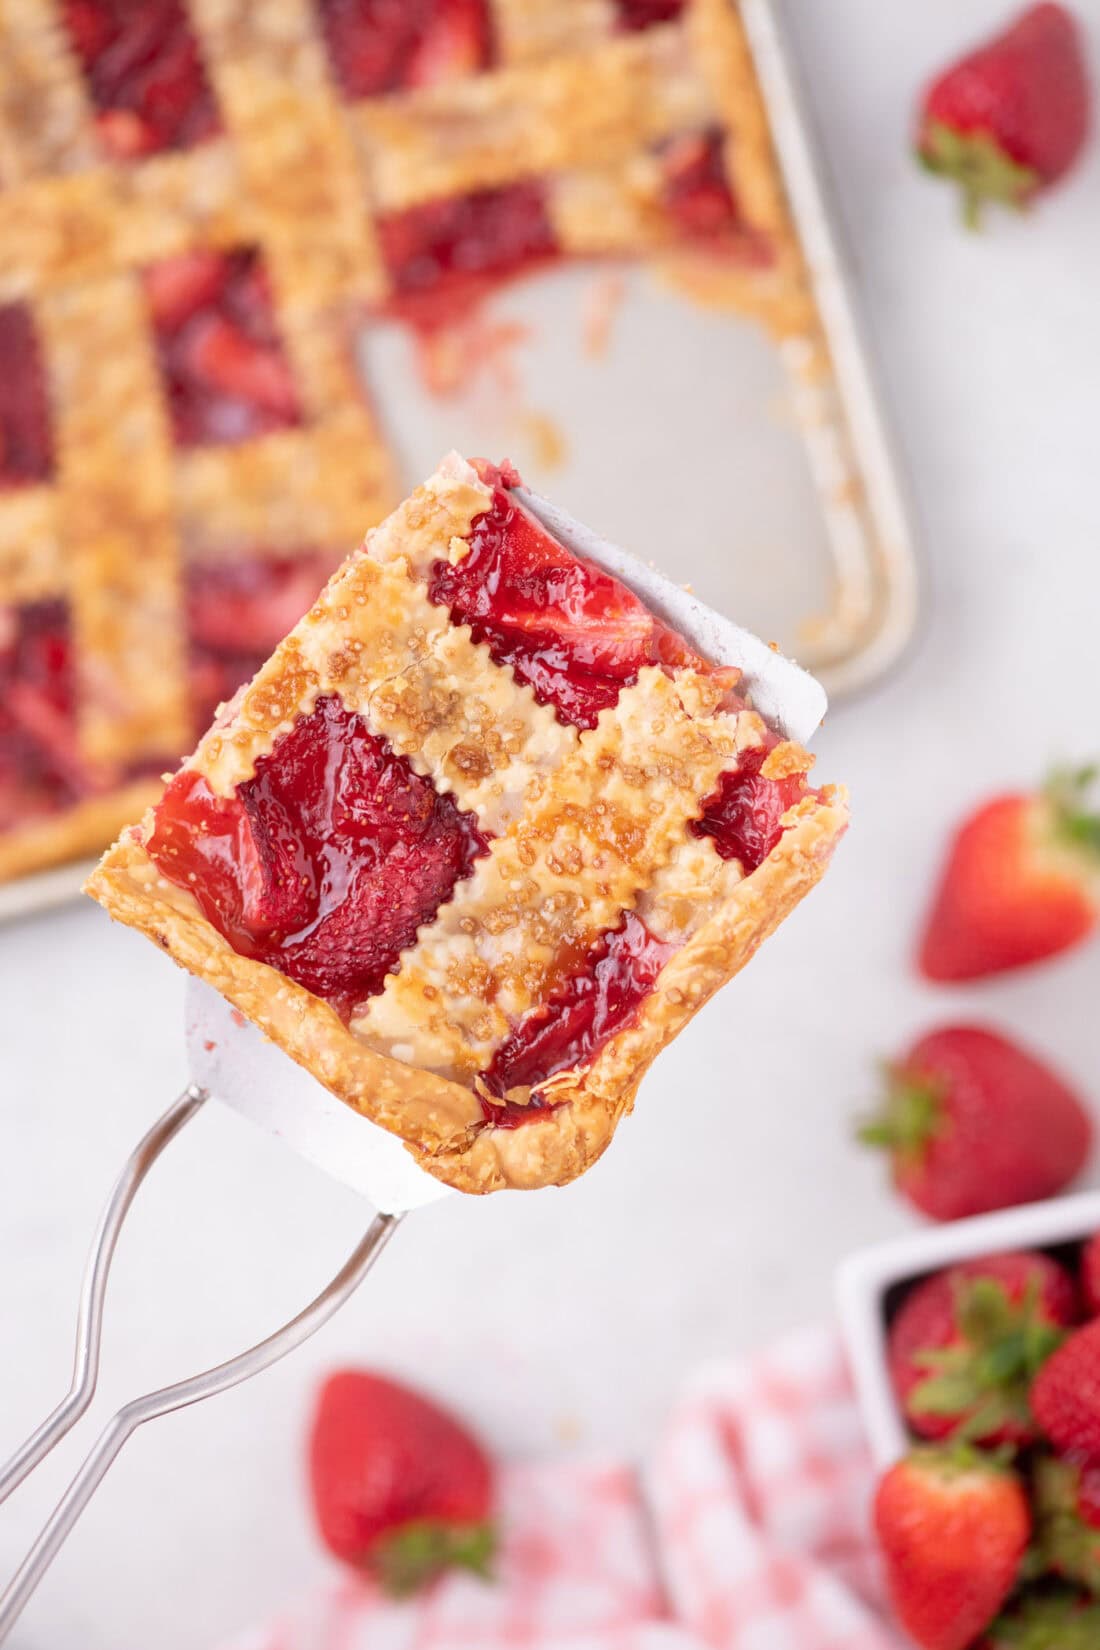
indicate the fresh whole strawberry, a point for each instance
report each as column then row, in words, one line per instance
column 1021, row 882
column 1090, row 1275
column 973, row 1122
column 401, row 1490
column 1065, row 1496
column 967, row 1343
column 1010, row 119
column 1065, row 1398
column 953, row 1527
column 1045, row 1620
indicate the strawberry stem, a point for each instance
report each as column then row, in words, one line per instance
column 909, row 1115
column 410, row 1557
column 1073, row 797
column 981, row 1381
column 980, row 167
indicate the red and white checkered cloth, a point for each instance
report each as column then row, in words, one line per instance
column 745, row 1530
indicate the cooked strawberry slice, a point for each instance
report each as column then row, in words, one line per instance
column 697, row 193
column 228, row 360
column 237, row 613
column 249, row 604
column 445, row 256
column 743, row 814
column 635, row 15
column 583, row 1013
column 144, row 73
column 125, row 135
column 576, row 635
column 40, row 763
column 26, row 450
column 89, row 26
column 223, row 366
column 378, row 46
column 326, row 862
column 176, row 288
column 51, row 728
column 455, row 43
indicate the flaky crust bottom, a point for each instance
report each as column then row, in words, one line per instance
column 441, row 1122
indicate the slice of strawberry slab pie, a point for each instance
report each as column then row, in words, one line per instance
column 478, row 839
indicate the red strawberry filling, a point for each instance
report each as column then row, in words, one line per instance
column 573, row 633
column 326, row 862
column 577, row 1019
column 378, row 46
column 238, row 612
column 225, row 374
column 26, row 450
column 577, row 636
column 40, row 767
column 742, row 814
column 697, row 195
column 445, row 256
column 144, row 73
column 635, row 15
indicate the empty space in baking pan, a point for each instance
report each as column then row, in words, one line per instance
column 680, row 441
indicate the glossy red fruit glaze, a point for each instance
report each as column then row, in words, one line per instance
column 444, row 257
column 144, row 73
column 378, row 46
column 40, row 765
column 1090, row 1275
column 326, row 862
column 645, row 14
column 220, row 356
column 572, row 632
column 26, row 450
column 927, row 1321
column 742, row 814
column 578, row 1017
column 238, row 612
column 697, row 193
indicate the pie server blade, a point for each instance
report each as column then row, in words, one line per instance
column 231, row 1061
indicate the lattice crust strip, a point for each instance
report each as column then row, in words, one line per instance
column 375, row 640
column 303, row 176
column 566, row 871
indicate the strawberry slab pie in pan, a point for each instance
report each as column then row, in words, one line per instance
column 478, row 839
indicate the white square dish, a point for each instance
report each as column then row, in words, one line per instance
column 869, row 1284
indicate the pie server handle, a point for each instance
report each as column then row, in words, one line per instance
column 134, row 1414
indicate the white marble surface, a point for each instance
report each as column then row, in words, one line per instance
column 729, row 1197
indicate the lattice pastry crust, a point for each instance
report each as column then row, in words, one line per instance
column 571, row 104
column 585, row 825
